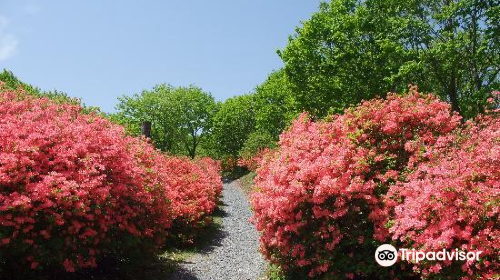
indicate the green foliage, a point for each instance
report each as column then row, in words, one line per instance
column 246, row 123
column 255, row 142
column 180, row 116
column 274, row 104
column 274, row 272
column 352, row 50
column 12, row 82
column 336, row 59
column 232, row 124
column 459, row 52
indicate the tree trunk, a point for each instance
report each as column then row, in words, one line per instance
column 453, row 94
column 192, row 153
column 146, row 129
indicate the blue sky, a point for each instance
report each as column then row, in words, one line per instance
column 99, row 50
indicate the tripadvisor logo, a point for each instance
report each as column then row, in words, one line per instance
column 387, row 255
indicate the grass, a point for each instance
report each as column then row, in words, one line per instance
column 274, row 272
column 245, row 182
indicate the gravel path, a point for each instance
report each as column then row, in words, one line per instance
column 234, row 254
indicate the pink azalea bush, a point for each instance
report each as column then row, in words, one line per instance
column 320, row 200
column 196, row 187
column 73, row 178
column 452, row 201
column 74, row 187
column 211, row 170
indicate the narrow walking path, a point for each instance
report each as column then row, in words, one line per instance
column 235, row 254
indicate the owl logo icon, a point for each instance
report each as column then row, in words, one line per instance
column 386, row 255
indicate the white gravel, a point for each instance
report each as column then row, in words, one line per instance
column 235, row 253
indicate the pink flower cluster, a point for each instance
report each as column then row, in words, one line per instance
column 196, row 187
column 326, row 199
column 452, row 201
column 74, row 187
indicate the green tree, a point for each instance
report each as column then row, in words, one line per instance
column 352, row 50
column 195, row 109
column 232, row 124
column 274, row 105
column 253, row 120
column 180, row 116
column 457, row 45
column 255, row 142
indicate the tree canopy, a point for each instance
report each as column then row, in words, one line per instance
column 180, row 116
column 352, row 50
column 232, row 124
column 254, row 120
column 274, row 104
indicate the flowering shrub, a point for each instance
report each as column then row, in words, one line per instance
column 451, row 201
column 196, row 187
column 74, row 187
column 319, row 203
column 211, row 169
column 253, row 162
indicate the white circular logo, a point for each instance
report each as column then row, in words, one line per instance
column 386, row 255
